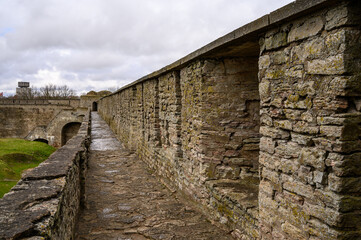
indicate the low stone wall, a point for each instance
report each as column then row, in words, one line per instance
column 45, row 202
column 59, row 102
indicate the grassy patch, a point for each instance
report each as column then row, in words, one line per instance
column 17, row 155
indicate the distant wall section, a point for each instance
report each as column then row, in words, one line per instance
column 38, row 119
column 19, row 120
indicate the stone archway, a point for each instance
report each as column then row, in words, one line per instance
column 69, row 130
column 41, row 140
column 95, row 106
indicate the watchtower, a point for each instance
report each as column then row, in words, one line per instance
column 23, row 89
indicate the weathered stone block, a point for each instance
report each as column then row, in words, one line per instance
column 308, row 117
column 277, row 40
column 294, row 101
column 283, row 124
column 288, row 150
column 267, row 202
column 270, row 215
column 281, row 57
column 328, row 198
column 295, row 72
column 299, row 188
column 337, row 17
column 293, row 231
column 266, row 188
column 305, row 28
column 336, row 42
column 227, row 172
column 274, row 73
column 268, row 160
column 331, row 131
column 314, row 48
column 270, row 175
column 266, row 119
column 305, row 89
column 330, row 216
column 293, row 114
column 321, row 230
column 344, row 184
column 304, row 127
column 301, row 139
column 319, row 177
column 331, row 104
column 305, row 174
column 289, row 165
column 313, row 157
column 277, row 102
column 345, row 165
column 274, row 132
column 267, row 145
column 240, row 161
column 293, row 203
column 264, row 62
column 264, row 90
column 330, row 121
column 329, row 66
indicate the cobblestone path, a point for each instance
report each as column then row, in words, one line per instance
column 124, row 201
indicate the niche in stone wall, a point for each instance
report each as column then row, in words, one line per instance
column 231, row 116
column 230, row 113
column 69, row 130
column 170, row 114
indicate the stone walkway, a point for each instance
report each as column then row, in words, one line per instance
column 124, row 201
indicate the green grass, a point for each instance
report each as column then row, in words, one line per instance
column 17, row 155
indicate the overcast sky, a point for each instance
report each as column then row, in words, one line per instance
column 102, row 44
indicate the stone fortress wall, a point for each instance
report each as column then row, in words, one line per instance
column 262, row 127
column 47, row 120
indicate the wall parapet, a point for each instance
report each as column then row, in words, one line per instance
column 46, row 201
column 59, row 102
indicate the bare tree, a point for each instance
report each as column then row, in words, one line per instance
column 52, row 91
column 49, row 91
column 65, row 92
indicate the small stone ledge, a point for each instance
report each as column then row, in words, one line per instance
column 45, row 202
column 236, row 203
column 243, row 194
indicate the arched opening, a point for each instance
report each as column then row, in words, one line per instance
column 69, row 130
column 41, row 140
column 95, row 106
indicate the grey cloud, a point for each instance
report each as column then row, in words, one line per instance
column 85, row 42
